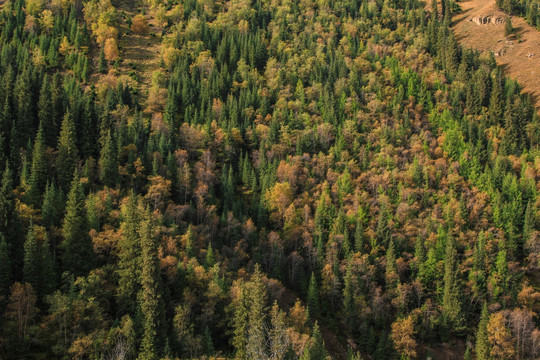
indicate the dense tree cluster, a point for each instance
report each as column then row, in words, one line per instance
column 322, row 178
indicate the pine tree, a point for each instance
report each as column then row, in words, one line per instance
column 78, row 252
column 66, row 161
column 150, row 295
column 482, row 342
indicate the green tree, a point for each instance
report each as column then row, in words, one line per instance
column 482, row 342
column 256, row 336
column 451, row 305
column 108, row 162
column 66, row 161
column 6, row 274
column 508, row 27
column 78, row 252
column 150, row 294
column 316, row 349
column 38, row 268
column 38, row 177
column 129, row 257
column 313, row 297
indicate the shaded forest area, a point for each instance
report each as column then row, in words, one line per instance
column 304, row 179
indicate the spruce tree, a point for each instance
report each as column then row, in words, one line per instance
column 256, row 336
column 482, row 342
column 313, row 297
column 6, row 275
column 78, row 252
column 66, row 161
column 38, row 268
column 108, row 162
column 129, row 258
column 316, row 349
column 451, row 305
column 150, row 295
column 38, row 177
column 53, row 206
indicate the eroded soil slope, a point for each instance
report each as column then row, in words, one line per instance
column 481, row 26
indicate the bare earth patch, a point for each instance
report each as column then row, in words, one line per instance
column 480, row 25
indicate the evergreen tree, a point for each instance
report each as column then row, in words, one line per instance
column 313, row 297
column 78, row 252
column 316, row 349
column 129, row 258
column 6, row 275
column 108, row 163
column 38, row 177
column 66, row 161
column 451, row 305
column 482, row 342
column 38, row 268
column 53, row 206
column 150, row 294
column 256, row 336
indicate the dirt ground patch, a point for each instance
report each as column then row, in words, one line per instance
column 519, row 56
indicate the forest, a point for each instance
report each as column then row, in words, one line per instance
column 306, row 179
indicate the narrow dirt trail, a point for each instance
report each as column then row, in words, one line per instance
column 520, row 59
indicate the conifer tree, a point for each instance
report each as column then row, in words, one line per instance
column 66, row 161
column 78, row 252
column 313, row 297
column 482, row 342
column 6, row 275
column 38, row 177
column 129, row 258
column 52, row 208
column 451, row 305
column 256, row 336
column 150, row 295
column 316, row 349
column 38, row 268
column 108, row 162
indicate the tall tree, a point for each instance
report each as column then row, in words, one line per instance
column 78, row 252
column 38, row 176
column 129, row 258
column 6, row 274
column 451, row 305
column 66, row 161
column 482, row 342
column 150, row 295
column 108, row 162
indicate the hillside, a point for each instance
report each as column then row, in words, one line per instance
column 266, row 179
column 518, row 54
